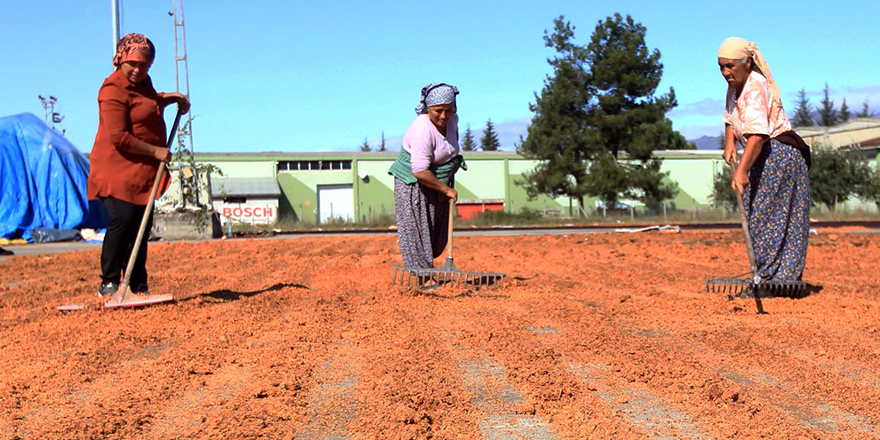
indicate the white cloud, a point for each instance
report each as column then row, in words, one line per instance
column 705, row 107
column 510, row 130
column 691, row 132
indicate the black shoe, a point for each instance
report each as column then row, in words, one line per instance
column 141, row 290
column 5, row 252
column 108, row 289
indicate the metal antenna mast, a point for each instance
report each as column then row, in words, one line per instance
column 52, row 117
column 187, row 174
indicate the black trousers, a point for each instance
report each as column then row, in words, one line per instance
column 125, row 221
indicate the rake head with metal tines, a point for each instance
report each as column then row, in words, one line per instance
column 447, row 275
column 747, row 288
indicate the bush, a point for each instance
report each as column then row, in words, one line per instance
column 492, row 218
column 723, row 195
column 835, row 177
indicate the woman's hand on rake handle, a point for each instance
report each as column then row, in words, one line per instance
column 452, row 193
column 740, row 181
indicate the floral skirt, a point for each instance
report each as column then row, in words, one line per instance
column 778, row 211
column 422, row 223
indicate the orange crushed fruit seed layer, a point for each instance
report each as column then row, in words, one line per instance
column 594, row 336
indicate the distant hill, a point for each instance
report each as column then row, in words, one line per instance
column 706, row 142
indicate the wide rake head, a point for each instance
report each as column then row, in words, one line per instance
column 447, row 275
column 747, row 288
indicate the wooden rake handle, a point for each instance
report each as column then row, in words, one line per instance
column 451, row 217
column 126, row 281
column 748, row 237
column 745, row 224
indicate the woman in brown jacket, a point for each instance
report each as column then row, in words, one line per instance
column 128, row 149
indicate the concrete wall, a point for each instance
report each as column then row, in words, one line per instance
column 374, row 194
column 300, row 191
column 258, row 167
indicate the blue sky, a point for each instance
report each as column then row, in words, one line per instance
column 322, row 76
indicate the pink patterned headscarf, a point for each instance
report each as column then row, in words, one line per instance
column 133, row 47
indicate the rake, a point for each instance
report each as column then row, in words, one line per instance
column 447, row 274
column 754, row 285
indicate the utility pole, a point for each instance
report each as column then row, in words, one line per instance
column 186, row 165
column 114, row 16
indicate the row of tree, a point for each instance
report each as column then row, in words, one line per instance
column 835, row 178
column 826, row 112
column 366, row 145
column 488, row 142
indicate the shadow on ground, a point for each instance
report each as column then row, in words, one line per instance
column 229, row 295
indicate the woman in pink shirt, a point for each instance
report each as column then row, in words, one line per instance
column 772, row 172
column 424, row 177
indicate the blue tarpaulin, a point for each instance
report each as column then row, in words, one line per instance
column 43, row 180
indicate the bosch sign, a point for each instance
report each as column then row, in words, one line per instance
column 247, row 213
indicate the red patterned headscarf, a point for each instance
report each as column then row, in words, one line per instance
column 133, row 47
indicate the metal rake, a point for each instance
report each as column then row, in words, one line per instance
column 754, row 287
column 447, row 274
column 749, row 287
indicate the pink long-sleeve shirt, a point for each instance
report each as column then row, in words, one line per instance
column 427, row 145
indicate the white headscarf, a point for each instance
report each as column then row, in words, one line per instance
column 738, row 49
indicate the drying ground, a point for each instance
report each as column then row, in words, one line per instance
column 594, row 336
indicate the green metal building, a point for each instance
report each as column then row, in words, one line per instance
column 317, row 187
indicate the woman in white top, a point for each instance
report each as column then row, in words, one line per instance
column 424, row 177
column 772, row 174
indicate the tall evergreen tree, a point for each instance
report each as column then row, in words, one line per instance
column 844, row 112
column 382, row 143
column 802, row 116
column 598, row 103
column 489, row 141
column 365, row 146
column 722, row 140
column 865, row 112
column 827, row 112
column 628, row 116
column 559, row 136
column 468, row 143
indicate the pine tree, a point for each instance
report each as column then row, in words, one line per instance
column 722, row 140
column 628, row 116
column 365, row 146
column 865, row 112
column 827, row 112
column 599, row 102
column 468, row 143
column 559, row 137
column 382, row 143
column 489, row 141
column 802, row 117
column 844, row 112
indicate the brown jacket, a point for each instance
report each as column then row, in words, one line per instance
column 128, row 113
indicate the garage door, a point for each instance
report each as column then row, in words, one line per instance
column 335, row 202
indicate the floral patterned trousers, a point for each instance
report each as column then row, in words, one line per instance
column 422, row 222
column 778, row 211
